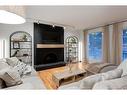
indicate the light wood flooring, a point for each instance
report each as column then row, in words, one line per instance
column 46, row 75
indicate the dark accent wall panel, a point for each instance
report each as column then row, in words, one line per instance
column 47, row 34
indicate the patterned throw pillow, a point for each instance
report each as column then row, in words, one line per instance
column 20, row 67
column 28, row 70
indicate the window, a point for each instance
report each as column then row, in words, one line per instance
column 94, row 47
column 124, row 44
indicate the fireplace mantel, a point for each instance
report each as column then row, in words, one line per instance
column 50, row 45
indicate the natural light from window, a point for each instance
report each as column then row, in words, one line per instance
column 124, row 45
column 94, row 47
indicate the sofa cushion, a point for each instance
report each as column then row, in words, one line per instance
column 118, row 83
column 116, row 73
column 71, row 86
column 3, row 60
column 3, row 64
column 24, row 86
column 88, row 82
column 20, row 68
column 123, row 66
column 13, row 61
column 35, row 81
column 10, row 76
column 28, row 70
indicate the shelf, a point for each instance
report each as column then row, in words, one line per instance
column 21, row 48
column 21, row 41
column 50, row 45
column 23, row 56
column 72, row 48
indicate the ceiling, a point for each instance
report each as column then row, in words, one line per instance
column 81, row 17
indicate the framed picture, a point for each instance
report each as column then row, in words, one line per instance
column 16, row 45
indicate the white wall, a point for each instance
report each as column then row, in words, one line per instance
column 7, row 30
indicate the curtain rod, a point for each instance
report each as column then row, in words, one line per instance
column 106, row 24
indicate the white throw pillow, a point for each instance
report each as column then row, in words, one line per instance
column 3, row 64
column 123, row 66
column 13, row 61
column 116, row 73
column 3, row 60
column 88, row 82
column 10, row 76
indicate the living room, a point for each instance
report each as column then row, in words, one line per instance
column 63, row 47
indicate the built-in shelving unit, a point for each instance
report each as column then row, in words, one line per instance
column 21, row 46
column 72, row 49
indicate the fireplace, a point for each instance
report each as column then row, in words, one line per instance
column 48, row 46
column 49, row 57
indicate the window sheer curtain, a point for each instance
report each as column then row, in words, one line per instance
column 85, row 46
column 112, row 43
column 106, row 45
column 116, row 39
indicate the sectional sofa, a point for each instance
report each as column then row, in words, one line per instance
column 15, row 75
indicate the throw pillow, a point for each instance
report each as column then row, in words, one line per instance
column 13, row 61
column 88, row 82
column 28, row 70
column 3, row 60
column 123, row 66
column 10, row 76
column 112, row 74
column 20, row 68
column 3, row 64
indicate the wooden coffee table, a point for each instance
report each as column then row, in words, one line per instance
column 66, row 77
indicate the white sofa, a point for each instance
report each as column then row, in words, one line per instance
column 30, row 81
column 115, row 81
column 10, row 78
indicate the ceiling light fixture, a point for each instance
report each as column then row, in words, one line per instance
column 53, row 25
column 12, row 14
column 64, row 27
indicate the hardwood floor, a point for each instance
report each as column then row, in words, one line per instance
column 46, row 75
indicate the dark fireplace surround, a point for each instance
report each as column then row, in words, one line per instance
column 48, row 57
